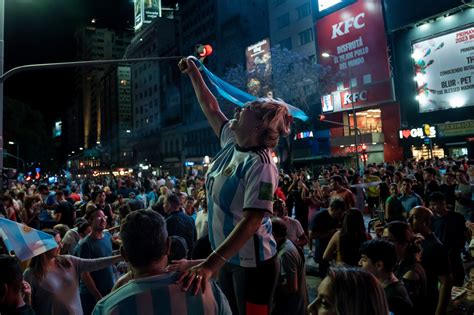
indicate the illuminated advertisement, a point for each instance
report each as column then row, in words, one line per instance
column 57, row 129
column 259, row 65
column 444, row 68
column 354, row 45
column 425, row 131
column 139, row 14
column 152, row 9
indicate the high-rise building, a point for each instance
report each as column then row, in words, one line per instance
column 94, row 44
column 291, row 26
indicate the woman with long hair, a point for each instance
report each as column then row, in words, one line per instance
column 348, row 290
column 344, row 244
column 408, row 266
column 54, row 279
column 31, row 210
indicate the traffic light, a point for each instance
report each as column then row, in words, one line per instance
column 203, row 51
column 363, row 155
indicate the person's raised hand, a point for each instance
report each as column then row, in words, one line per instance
column 179, row 265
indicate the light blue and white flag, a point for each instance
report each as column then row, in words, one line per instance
column 24, row 241
column 237, row 96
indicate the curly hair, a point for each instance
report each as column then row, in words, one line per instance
column 276, row 120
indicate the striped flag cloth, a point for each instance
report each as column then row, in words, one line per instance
column 24, row 241
column 237, row 96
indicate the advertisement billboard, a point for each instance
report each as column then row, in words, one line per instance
column 152, row 10
column 444, row 71
column 259, row 66
column 354, row 43
column 139, row 14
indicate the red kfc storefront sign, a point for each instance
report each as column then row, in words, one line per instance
column 355, row 44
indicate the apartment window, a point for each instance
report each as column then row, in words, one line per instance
column 283, row 20
column 286, row 43
column 303, row 11
column 306, row 36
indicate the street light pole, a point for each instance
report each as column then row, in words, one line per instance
column 2, row 44
column 354, row 116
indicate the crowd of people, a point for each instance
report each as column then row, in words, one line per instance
column 237, row 240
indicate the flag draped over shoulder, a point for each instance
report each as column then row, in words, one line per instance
column 24, row 241
column 237, row 96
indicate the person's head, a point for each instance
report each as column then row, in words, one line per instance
column 336, row 182
column 7, row 200
column 98, row 196
column 279, row 208
column 450, row 178
column 347, row 290
column 182, row 198
column 437, row 203
column 337, row 208
column 60, row 195
column 171, row 203
column 461, row 176
column 420, row 220
column 84, row 229
column 124, row 210
column 144, row 238
column 39, row 263
column 11, row 278
column 429, row 174
column 189, row 205
column 378, row 257
column 393, row 189
column 401, row 236
column 326, row 190
column 353, row 223
column 406, row 186
column 261, row 122
column 43, row 189
column 279, row 230
column 97, row 219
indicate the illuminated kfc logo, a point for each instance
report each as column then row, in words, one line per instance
column 344, row 27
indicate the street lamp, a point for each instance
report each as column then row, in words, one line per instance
column 354, row 116
column 17, row 152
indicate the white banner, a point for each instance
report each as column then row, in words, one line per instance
column 444, row 69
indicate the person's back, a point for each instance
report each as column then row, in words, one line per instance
column 160, row 294
column 153, row 290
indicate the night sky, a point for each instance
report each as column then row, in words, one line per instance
column 41, row 31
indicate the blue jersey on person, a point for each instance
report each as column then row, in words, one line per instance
column 410, row 201
column 161, row 295
column 240, row 179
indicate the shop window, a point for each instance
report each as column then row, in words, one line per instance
column 368, row 121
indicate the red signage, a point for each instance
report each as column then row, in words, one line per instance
column 354, row 41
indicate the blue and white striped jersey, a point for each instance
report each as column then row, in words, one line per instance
column 240, row 179
column 161, row 295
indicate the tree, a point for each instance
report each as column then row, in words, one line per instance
column 296, row 79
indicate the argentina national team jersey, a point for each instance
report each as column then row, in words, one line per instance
column 237, row 180
column 161, row 294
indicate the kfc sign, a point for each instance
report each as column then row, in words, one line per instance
column 427, row 131
column 344, row 27
column 354, row 38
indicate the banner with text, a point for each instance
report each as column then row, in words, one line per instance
column 355, row 44
column 444, row 70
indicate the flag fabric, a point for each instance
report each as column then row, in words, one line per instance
column 237, row 96
column 24, row 241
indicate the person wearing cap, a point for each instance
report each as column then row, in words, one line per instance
column 240, row 185
column 80, row 230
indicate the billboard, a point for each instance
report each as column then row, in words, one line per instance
column 57, row 129
column 139, row 14
column 259, row 67
column 444, row 71
column 152, row 10
column 355, row 44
